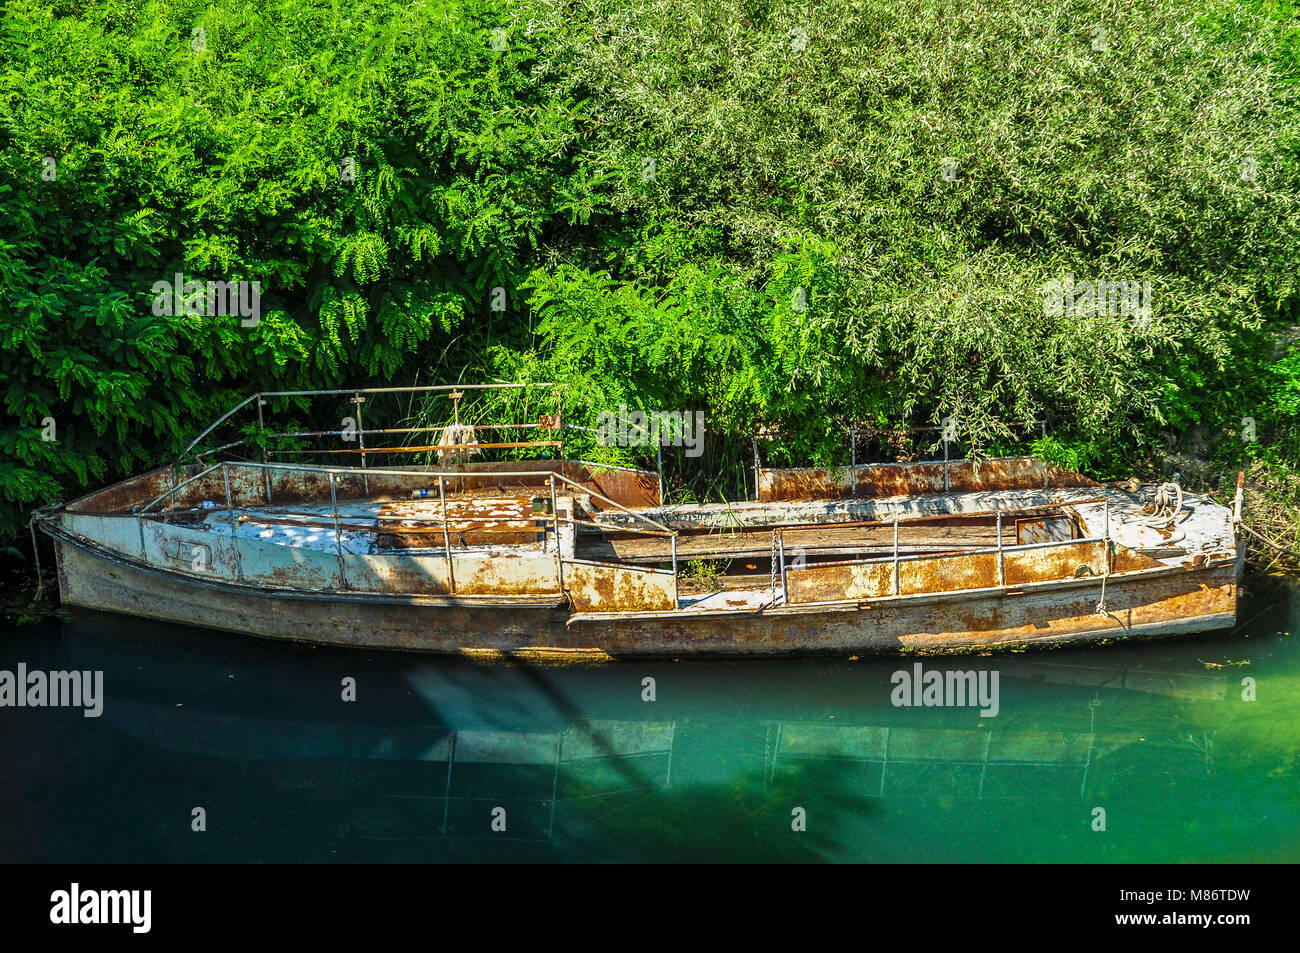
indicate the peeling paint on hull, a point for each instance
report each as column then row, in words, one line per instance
column 1165, row 603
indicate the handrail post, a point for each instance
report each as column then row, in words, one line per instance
column 230, row 515
column 895, row 555
column 599, row 496
column 261, row 430
column 756, row 467
column 853, row 462
column 1108, row 554
column 361, row 443
column 175, row 487
column 659, row 459
column 1002, row 572
column 946, row 483
column 338, row 533
column 780, row 543
column 555, row 521
column 676, row 604
column 446, row 537
column 559, row 425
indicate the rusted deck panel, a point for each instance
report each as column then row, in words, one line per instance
column 913, row 479
column 249, row 485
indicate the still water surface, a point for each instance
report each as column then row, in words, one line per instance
column 258, row 735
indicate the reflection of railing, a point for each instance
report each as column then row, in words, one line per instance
column 415, row 522
column 641, row 763
column 792, row 746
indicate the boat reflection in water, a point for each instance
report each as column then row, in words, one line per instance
column 707, row 760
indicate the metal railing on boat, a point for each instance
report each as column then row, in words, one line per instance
column 553, row 479
column 1000, row 550
column 552, row 519
column 332, row 473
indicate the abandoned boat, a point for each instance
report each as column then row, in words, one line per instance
column 560, row 558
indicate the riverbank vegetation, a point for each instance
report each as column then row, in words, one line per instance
column 855, row 214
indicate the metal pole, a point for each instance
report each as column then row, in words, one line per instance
column 446, row 537
column 1109, row 562
column 780, row 542
column 361, row 442
column 1002, row 572
column 261, row 429
column 755, row 442
column 218, row 422
column 944, row 438
column 559, row 422
column 659, row 458
column 675, row 596
column 555, row 521
column 230, row 514
column 895, row 556
column 338, row 533
column 853, row 461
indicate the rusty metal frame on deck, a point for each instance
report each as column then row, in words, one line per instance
column 357, row 398
column 999, row 550
column 332, row 473
column 854, row 466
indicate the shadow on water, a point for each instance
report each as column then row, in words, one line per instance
column 722, row 764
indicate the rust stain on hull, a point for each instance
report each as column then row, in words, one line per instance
column 1183, row 602
column 597, row 588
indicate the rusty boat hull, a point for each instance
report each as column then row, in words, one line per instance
column 1178, row 603
column 562, row 560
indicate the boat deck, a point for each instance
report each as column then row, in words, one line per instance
column 508, row 524
column 743, row 557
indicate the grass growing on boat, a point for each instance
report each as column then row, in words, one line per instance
column 702, row 575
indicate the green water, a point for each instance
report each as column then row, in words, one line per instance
column 582, row 767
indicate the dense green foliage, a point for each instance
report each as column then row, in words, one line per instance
column 804, row 217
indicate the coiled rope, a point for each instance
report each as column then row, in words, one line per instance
column 1167, row 505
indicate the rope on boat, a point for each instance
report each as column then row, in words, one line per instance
column 1167, row 506
column 1166, row 512
column 1101, row 606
